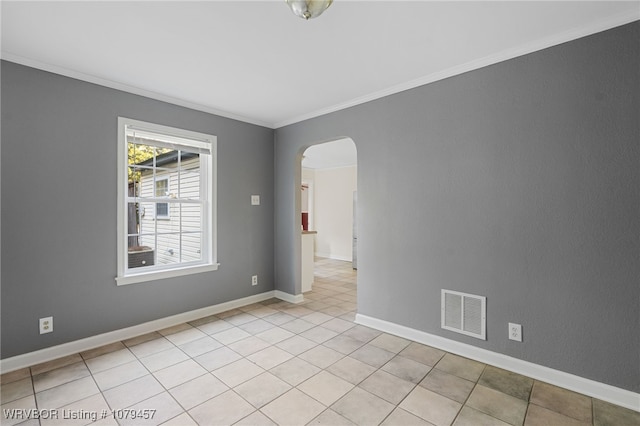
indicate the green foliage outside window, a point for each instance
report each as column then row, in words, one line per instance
column 139, row 153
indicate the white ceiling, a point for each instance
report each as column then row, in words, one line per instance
column 257, row 62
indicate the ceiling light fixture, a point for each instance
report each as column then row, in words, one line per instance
column 308, row 9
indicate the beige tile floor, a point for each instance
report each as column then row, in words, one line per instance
column 278, row 363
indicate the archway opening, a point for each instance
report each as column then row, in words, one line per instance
column 328, row 214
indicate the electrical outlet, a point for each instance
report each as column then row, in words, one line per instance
column 515, row 332
column 46, row 325
column 255, row 200
column 254, row 280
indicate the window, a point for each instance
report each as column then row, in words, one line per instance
column 162, row 190
column 166, row 202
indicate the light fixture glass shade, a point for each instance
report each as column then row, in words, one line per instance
column 308, row 9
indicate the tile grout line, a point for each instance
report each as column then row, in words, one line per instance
column 464, row 404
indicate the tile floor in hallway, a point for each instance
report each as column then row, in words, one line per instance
column 278, row 363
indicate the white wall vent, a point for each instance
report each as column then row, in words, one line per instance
column 464, row 313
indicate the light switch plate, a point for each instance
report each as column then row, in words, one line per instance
column 255, row 200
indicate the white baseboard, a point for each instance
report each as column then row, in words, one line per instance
column 47, row 354
column 346, row 258
column 572, row 382
column 298, row 298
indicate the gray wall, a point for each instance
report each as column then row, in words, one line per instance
column 518, row 182
column 59, row 211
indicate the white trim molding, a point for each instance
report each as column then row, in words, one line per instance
column 203, row 196
column 48, row 354
column 533, row 46
column 572, row 382
column 335, row 257
column 291, row 298
column 505, row 55
column 112, row 84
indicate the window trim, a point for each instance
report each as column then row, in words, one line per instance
column 209, row 254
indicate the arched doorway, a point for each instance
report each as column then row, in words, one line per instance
column 328, row 219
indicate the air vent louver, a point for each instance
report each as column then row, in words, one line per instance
column 464, row 313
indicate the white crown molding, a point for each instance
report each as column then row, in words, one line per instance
column 324, row 169
column 572, row 382
column 534, row 46
column 126, row 88
column 54, row 352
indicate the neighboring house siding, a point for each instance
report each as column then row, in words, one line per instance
column 170, row 228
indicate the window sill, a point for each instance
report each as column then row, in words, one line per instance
column 159, row 275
